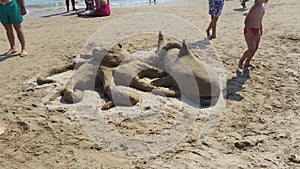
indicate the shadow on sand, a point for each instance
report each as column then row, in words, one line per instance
column 240, row 9
column 63, row 13
column 201, row 44
column 235, row 84
column 3, row 57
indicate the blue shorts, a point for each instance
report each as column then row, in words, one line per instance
column 10, row 13
column 215, row 7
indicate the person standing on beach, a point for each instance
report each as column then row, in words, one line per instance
column 252, row 32
column 215, row 10
column 11, row 12
column 73, row 5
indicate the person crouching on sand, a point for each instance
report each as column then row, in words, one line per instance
column 101, row 9
column 252, row 32
column 11, row 12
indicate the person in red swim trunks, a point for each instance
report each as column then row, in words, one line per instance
column 252, row 32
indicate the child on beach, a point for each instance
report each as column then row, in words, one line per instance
column 11, row 12
column 252, row 32
column 73, row 5
column 215, row 10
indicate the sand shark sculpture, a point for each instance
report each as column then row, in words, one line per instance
column 173, row 71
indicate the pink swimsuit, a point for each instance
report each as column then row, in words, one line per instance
column 103, row 11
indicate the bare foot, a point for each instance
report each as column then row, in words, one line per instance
column 10, row 52
column 207, row 33
column 23, row 53
column 250, row 65
column 244, row 5
column 240, row 64
column 212, row 37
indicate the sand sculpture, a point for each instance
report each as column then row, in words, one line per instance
column 172, row 71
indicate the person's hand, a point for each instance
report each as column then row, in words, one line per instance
column 23, row 11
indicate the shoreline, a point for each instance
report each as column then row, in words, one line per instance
column 81, row 6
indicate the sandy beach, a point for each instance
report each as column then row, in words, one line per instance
column 259, row 126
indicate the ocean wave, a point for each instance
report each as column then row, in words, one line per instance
column 34, row 5
column 45, row 5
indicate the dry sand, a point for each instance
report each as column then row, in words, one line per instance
column 259, row 127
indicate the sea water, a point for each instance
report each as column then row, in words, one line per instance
column 36, row 5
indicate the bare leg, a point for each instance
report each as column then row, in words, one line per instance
column 21, row 38
column 11, row 39
column 212, row 26
column 209, row 27
column 92, row 4
column 153, row 1
column 67, row 4
column 73, row 5
column 214, row 33
column 248, row 59
column 252, row 43
column 87, row 6
column 97, row 4
column 244, row 3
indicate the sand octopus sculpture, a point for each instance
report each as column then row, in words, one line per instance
column 173, row 70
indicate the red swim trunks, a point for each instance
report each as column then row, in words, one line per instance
column 103, row 11
column 255, row 31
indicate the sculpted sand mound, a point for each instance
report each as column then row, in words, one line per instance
column 173, row 70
